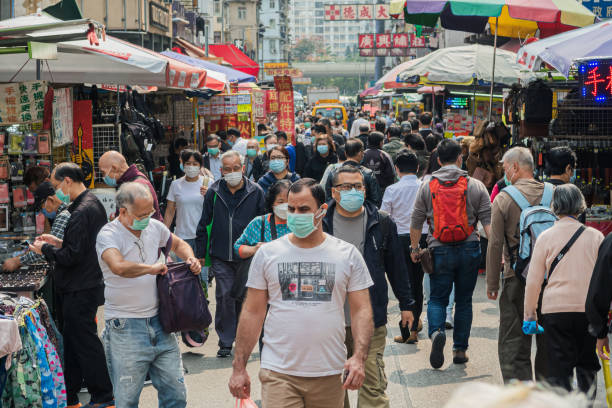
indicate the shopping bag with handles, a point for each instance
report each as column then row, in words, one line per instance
column 245, row 403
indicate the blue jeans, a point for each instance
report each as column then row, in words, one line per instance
column 458, row 265
column 451, row 299
column 134, row 347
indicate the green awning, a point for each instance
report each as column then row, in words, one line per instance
column 65, row 10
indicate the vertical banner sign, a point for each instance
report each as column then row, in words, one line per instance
column 22, row 102
column 62, row 117
column 83, row 140
column 272, row 99
column 286, row 115
column 259, row 104
column 244, row 115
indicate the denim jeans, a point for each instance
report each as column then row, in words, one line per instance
column 458, row 265
column 451, row 299
column 136, row 346
column 204, row 273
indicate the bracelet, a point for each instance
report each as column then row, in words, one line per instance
column 413, row 250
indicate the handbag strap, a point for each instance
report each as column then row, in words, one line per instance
column 263, row 228
column 273, row 232
column 566, row 248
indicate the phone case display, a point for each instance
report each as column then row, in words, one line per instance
column 29, row 197
column 15, row 143
column 19, row 196
column 16, row 171
column 43, row 146
column 5, row 171
column 4, row 193
column 29, row 222
column 29, row 143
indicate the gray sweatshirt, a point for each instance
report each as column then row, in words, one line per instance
column 478, row 203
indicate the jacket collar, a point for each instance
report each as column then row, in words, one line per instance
column 130, row 174
column 77, row 201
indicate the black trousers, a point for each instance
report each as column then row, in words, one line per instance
column 83, row 352
column 571, row 346
column 415, row 274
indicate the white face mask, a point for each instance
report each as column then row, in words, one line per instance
column 280, row 211
column 233, row 179
column 192, row 171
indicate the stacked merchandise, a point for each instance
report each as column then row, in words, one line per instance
column 35, row 377
column 28, row 279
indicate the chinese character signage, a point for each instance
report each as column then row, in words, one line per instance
column 601, row 8
column 271, row 101
column 22, row 102
column 259, row 104
column 366, row 41
column 396, row 44
column 595, row 80
column 351, row 12
column 286, row 115
column 62, row 117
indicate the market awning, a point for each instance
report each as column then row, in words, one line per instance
column 374, row 90
column 238, row 59
column 231, row 75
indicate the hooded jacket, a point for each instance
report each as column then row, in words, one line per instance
column 315, row 167
column 478, row 203
column 384, row 257
column 228, row 221
column 269, row 179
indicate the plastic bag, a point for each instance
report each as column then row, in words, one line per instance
column 245, row 403
column 605, row 364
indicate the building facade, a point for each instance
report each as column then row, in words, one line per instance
column 274, row 17
column 239, row 25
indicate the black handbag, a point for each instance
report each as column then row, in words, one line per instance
column 238, row 290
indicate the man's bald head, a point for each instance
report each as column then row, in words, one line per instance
column 113, row 164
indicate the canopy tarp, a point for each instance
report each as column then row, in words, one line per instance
column 229, row 74
column 238, row 59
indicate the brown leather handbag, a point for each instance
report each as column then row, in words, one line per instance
column 427, row 260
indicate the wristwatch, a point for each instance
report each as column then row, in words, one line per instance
column 414, row 250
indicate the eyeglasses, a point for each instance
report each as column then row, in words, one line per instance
column 349, row 186
column 142, row 217
column 140, row 250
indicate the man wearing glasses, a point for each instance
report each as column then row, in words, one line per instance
column 374, row 234
column 128, row 252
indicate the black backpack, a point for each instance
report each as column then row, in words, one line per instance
column 538, row 99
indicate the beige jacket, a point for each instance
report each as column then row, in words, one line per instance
column 568, row 285
column 505, row 218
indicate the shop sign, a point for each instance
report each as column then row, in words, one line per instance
column 286, row 114
column 159, row 16
column 244, row 103
column 595, row 80
column 601, row 8
column 204, row 107
column 259, row 104
column 22, row 102
column 231, row 104
column 244, row 124
column 271, row 101
column 352, row 12
column 62, row 117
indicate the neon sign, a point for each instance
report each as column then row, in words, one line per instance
column 595, row 80
column 457, row 103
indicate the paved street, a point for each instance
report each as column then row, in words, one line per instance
column 412, row 382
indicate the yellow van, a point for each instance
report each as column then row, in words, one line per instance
column 331, row 109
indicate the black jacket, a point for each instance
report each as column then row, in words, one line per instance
column 229, row 221
column 373, row 191
column 76, row 264
column 269, row 179
column 260, row 166
column 383, row 255
column 364, row 139
column 315, row 167
column 599, row 295
column 380, row 164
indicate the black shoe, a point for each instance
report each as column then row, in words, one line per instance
column 460, row 357
column 438, row 340
column 448, row 325
column 224, row 352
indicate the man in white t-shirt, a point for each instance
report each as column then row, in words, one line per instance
column 128, row 252
column 238, row 143
column 306, row 277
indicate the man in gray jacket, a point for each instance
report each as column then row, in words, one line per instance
column 452, row 203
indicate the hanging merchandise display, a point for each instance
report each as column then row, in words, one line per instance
column 83, row 140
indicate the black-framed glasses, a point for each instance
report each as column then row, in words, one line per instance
column 349, row 186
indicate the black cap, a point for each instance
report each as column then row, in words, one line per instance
column 41, row 193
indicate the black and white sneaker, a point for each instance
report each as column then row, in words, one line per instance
column 438, row 340
column 224, row 352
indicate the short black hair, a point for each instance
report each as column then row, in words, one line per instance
column 325, row 122
column 222, row 134
column 375, row 138
column 361, row 114
column 394, row 131
column 380, row 126
column 71, row 170
column 407, row 162
column 180, row 142
column 558, row 158
column 353, row 147
column 282, row 150
column 233, row 131
column 431, row 141
column 345, row 169
column 319, row 128
column 36, row 175
column 269, row 136
column 274, row 191
column 281, row 135
column 364, row 128
column 448, row 151
column 415, row 141
column 425, row 119
column 317, row 191
column 341, row 153
column 415, row 125
column 261, row 127
column 212, row 138
column 187, row 154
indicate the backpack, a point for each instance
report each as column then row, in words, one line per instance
column 535, row 219
column 538, row 98
column 449, row 202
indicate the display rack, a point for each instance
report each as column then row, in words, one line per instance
column 105, row 137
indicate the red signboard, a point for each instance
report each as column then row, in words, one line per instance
column 286, row 115
column 417, row 42
column 365, row 12
column 383, row 40
column 352, row 12
column 401, row 40
column 332, row 12
column 366, row 41
column 271, row 101
column 366, row 52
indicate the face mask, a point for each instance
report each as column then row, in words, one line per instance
column 251, row 152
column 280, row 211
column 302, row 225
column 323, row 149
column 573, row 178
column 230, row 143
column 352, row 200
column 64, row 198
column 213, row 151
column 233, row 179
column 49, row 215
column 192, row 171
column 508, row 182
column 139, row 225
column 270, row 146
column 181, row 167
column 110, row 181
column 277, row 165
column 307, row 125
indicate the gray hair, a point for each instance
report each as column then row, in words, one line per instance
column 231, row 153
column 568, row 200
column 520, row 155
column 128, row 192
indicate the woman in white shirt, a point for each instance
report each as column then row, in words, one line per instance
column 186, row 199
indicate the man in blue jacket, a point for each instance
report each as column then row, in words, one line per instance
column 230, row 204
column 352, row 219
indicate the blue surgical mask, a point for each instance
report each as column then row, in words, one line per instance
column 64, row 198
column 181, row 167
column 508, row 182
column 573, row 178
column 322, row 149
column 351, row 200
column 251, row 152
column 277, row 165
column 213, row 151
column 230, row 143
column 112, row 182
column 49, row 215
column 302, row 225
